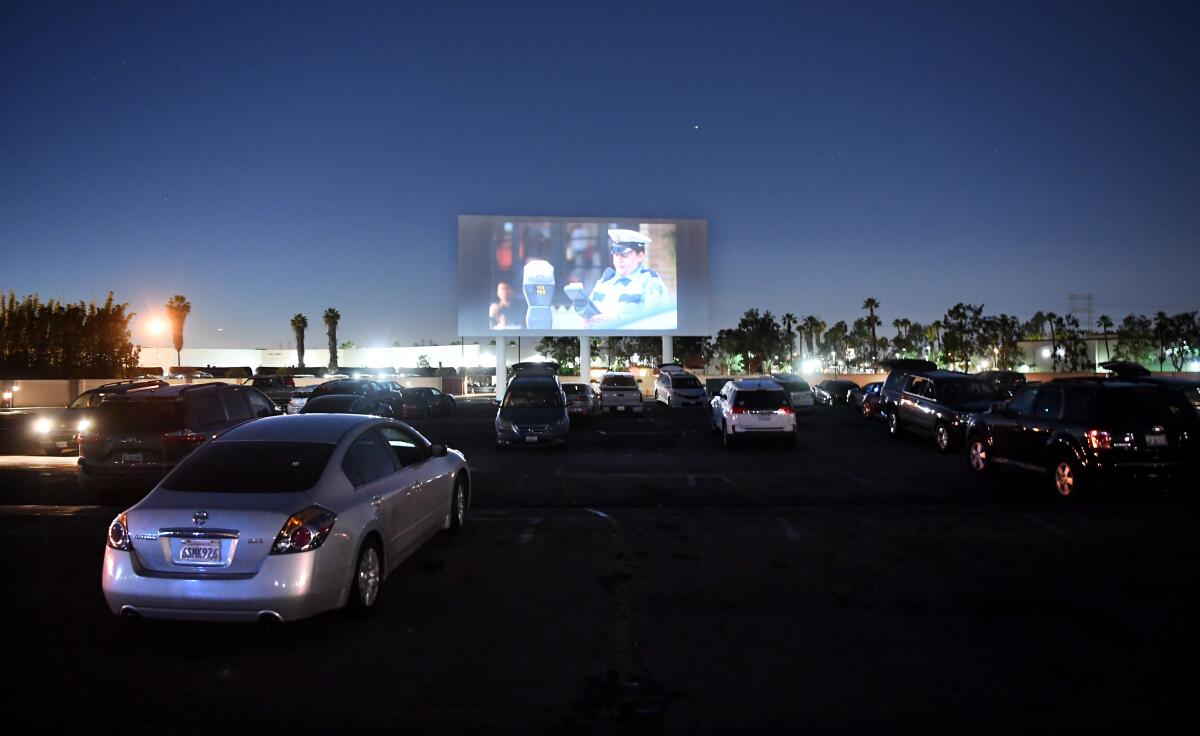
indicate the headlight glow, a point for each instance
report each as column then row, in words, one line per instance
column 42, row 426
column 84, row 425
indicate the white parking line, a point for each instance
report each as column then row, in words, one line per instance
column 611, row 521
column 789, row 531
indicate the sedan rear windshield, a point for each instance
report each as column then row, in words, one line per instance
column 157, row 416
column 251, row 467
column 574, row 388
column 761, row 399
column 532, row 398
column 618, row 382
column 340, row 387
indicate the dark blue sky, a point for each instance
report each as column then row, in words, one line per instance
column 266, row 160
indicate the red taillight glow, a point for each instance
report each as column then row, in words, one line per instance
column 1098, row 439
column 304, row 530
column 738, row 410
column 785, row 409
column 90, row 437
column 183, row 437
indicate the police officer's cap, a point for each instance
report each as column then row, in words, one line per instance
column 624, row 241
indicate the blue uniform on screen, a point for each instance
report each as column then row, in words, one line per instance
column 629, row 289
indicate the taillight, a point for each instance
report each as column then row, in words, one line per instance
column 1098, row 439
column 305, row 530
column 118, row 533
column 737, row 409
column 183, row 437
column 785, row 409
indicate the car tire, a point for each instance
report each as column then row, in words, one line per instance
column 457, row 518
column 368, row 578
column 941, row 437
column 1066, row 475
column 894, row 426
column 979, row 455
column 727, row 438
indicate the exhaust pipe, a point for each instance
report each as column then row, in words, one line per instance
column 130, row 612
column 269, row 617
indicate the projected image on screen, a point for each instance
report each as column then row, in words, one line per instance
column 576, row 276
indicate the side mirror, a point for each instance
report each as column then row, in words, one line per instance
column 437, row 450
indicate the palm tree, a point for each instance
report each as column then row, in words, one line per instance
column 933, row 333
column 871, row 304
column 331, row 318
column 808, row 328
column 299, row 325
column 789, row 326
column 178, row 309
column 1106, row 324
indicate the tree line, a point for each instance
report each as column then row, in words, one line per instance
column 55, row 339
column 965, row 337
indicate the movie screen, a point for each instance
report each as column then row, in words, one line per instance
column 568, row 276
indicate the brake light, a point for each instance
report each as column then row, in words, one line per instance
column 738, row 409
column 785, row 409
column 118, row 533
column 1098, row 439
column 183, row 437
column 304, row 530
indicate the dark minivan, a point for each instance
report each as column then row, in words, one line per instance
column 1081, row 432
column 533, row 412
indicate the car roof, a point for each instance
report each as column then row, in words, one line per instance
column 166, row 392
column 941, row 375
column 330, row 428
column 756, row 384
column 908, row 364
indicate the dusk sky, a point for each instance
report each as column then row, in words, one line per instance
column 267, row 159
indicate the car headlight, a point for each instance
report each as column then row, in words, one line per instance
column 84, row 425
column 42, row 426
column 503, row 425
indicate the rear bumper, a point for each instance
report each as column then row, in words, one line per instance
column 290, row 586
column 513, row 438
column 622, row 408
column 1147, row 473
column 107, row 470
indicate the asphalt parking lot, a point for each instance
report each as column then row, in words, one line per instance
column 645, row 579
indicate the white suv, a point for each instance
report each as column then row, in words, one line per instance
column 677, row 387
column 752, row 406
column 619, row 391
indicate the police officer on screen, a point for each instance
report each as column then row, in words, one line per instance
column 629, row 289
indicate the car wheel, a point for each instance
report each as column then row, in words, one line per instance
column 727, row 438
column 458, row 508
column 368, row 578
column 1067, row 478
column 979, row 455
column 894, row 424
column 941, row 437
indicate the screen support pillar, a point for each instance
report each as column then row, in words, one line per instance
column 501, row 365
column 668, row 355
column 585, row 358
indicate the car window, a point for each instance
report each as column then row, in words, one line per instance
column 618, row 382
column 140, row 416
column 915, row 385
column 759, row 400
column 209, row 409
column 1048, row 404
column 1022, row 404
column 683, row 381
column 235, row 405
column 1145, row 406
column 251, row 467
column 929, row 390
column 368, row 459
column 533, row 398
column 969, row 391
column 260, row 406
column 408, row 448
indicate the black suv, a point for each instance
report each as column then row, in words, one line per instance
column 55, row 429
column 1006, row 382
column 940, row 404
column 360, row 387
column 140, row 435
column 1085, row 431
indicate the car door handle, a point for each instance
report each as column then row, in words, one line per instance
column 376, row 501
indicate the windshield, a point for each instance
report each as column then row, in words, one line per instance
column 532, row 398
column 339, row 387
column 618, row 382
column 574, row 388
column 967, row 391
column 251, row 467
column 678, row 381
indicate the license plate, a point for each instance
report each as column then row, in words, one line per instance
column 620, row 408
column 200, row 550
column 531, row 439
column 131, row 457
column 1156, row 440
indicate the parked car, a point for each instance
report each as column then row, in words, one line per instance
column 282, row 519
column 277, row 388
column 1081, row 432
column 859, row 396
column 1190, row 388
column 420, row 401
column 533, row 412
column 939, row 404
column 360, row 387
column 1006, row 382
column 834, row 391
column 898, row 371
column 140, row 435
column 55, row 430
column 676, row 387
column 299, row 398
column 799, row 392
column 752, row 407
column 619, row 392
column 346, row 404
column 581, row 399
column 870, row 399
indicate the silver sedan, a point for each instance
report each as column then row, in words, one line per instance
column 283, row 518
